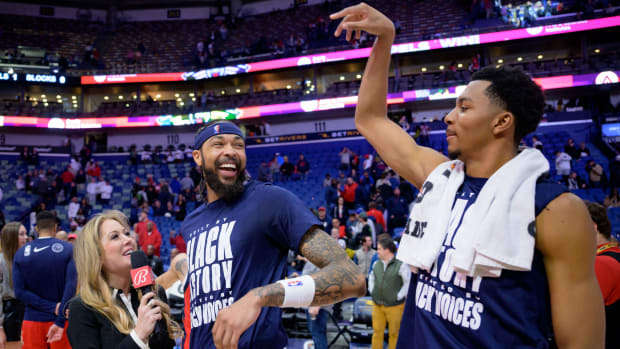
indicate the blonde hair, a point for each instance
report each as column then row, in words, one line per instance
column 92, row 286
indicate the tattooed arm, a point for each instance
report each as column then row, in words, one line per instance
column 338, row 279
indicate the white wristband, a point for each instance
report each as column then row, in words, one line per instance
column 298, row 292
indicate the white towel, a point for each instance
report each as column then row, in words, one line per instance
column 497, row 231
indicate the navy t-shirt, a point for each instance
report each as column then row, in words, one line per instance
column 43, row 275
column 235, row 247
column 445, row 309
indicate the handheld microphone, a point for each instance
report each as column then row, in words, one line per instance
column 142, row 277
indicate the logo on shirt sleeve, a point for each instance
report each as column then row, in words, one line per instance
column 57, row 247
column 27, row 251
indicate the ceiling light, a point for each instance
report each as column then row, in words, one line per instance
column 519, row 59
column 120, row 97
column 193, row 99
column 460, row 65
column 500, row 61
column 288, row 87
column 441, row 67
column 424, row 69
column 238, row 90
column 58, row 97
column 359, row 76
column 176, row 95
column 540, row 57
column 42, row 96
column 341, row 78
column 223, row 92
column 158, row 96
column 497, row 66
column 106, row 97
column 191, row 94
column 597, row 51
column 73, row 97
column 179, row 99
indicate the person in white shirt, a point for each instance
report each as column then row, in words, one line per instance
column 188, row 153
column 562, row 163
column 20, row 184
column 179, row 156
column 106, row 192
column 146, row 156
column 75, row 166
column 74, row 206
column 91, row 190
column 368, row 161
column 170, row 156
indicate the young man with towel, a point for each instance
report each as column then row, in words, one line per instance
column 503, row 257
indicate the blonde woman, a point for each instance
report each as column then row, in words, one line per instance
column 13, row 237
column 108, row 312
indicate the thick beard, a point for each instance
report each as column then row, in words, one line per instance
column 227, row 192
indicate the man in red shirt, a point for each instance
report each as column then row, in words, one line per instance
column 152, row 237
column 607, row 268
column 177, row 241
column 378, row 216
column 141, row 229
column 67, row 179
column 348, row 194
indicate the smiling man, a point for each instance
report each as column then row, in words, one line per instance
column 237, row 244
column 477, row 212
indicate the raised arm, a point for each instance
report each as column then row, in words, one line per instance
column 567, row 241
column 395, row 146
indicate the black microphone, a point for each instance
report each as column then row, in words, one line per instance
column 142, row 277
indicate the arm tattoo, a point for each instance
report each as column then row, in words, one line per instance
column 271, row 295
column 181, row 266
column 338, row 278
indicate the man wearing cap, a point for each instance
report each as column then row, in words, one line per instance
column 237, row 244
column 323, row 218
column 72, row 238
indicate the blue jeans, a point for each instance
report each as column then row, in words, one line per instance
column 318, row 329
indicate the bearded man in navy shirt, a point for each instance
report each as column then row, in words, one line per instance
column 237, row 244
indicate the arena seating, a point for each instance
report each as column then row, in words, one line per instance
column 170, row 45
column 323, row 158
column 433, row 78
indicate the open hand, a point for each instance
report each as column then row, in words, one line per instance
column 54, row 333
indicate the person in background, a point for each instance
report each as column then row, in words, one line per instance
column 303, row 167
column 155, row 262
column 607, row 268
column 364, row 254
column 108, row 311
column 44, row 278
column 388, row 284
column 613, row 199
column 13, row 237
